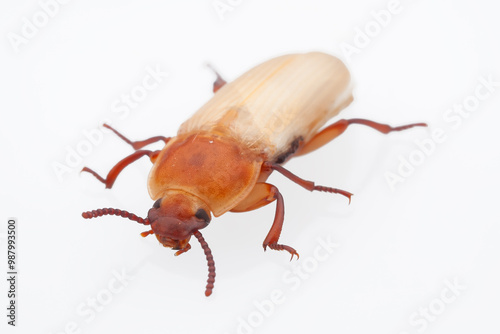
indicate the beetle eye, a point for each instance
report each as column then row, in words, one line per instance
column 156, row 205
column 202, row 214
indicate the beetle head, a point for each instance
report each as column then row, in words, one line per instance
column 175, row 216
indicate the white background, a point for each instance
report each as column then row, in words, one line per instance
column 396, row 247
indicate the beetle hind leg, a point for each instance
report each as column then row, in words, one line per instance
column 336, row 129
column 219, row 82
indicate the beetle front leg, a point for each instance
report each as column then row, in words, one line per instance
column 116, row 170
column 137, row 145
column 261, row 195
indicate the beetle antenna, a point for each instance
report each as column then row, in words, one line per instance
column 211, row 263
column 115, row 212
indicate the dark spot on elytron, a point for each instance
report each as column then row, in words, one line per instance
column 202, row 214
column 156, row 205
column 294, row 146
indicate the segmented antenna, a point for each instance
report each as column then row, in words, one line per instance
column 114, row 212
column 131, row 216
column 211, row 263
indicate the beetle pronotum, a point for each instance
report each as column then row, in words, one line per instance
column 221, row 157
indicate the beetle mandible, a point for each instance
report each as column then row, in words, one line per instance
column 222, row 156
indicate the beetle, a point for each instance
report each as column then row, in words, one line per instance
column 221, row 157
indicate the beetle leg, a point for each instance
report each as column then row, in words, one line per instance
column 219, row 82
column 309, row 185
column 336, row 129
column 113, row 173
column 272, row 237
column 137, row 145
column 183, row 250
column 258, row 197
column 263, row 194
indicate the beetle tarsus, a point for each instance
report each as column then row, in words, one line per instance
column 280, row 247
column 404, row 127
column 335, row 191
column 309, row 185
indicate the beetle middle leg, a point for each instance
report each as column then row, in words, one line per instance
column 116, row 170
column 263, row 194
column 336, row 129
column 309, row 185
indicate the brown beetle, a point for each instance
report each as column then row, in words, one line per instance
column 222, row 156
